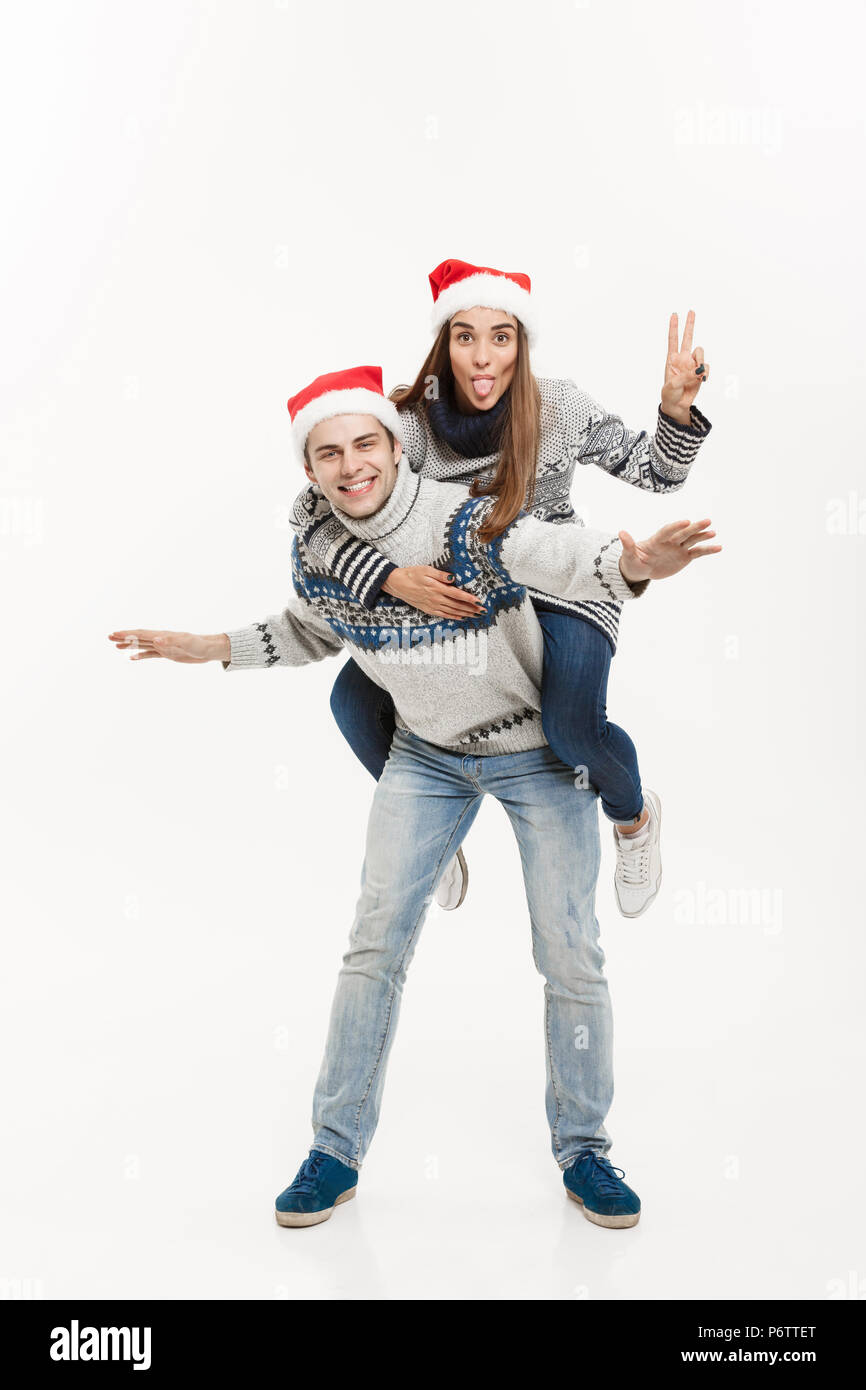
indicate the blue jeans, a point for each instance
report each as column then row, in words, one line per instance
column 425, row 801
column 573, row 714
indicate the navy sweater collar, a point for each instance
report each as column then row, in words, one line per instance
column 473, row 436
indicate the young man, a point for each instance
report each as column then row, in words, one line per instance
column 467, row 697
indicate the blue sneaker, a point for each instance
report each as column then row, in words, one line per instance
column 606, row 1200
column 321, row 1183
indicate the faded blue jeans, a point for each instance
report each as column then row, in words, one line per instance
column 425, row 801
column 573, row 714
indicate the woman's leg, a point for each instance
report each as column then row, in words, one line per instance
column 365, row 714
column 574, row 714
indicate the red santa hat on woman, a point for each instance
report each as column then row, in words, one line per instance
column 457, row 285
column 355, row 391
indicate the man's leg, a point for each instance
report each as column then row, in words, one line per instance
column 365, row 714
column 556, row 826
column 422, row 808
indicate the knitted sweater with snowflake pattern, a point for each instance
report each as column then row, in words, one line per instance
column 468, row 685
column 575, row 429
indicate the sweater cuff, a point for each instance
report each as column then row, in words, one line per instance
column 679, row 445
column 373, row 586
column 697, row 428
column 247, row 649
column 611, row 576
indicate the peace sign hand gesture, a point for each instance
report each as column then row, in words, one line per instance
column 685, row 369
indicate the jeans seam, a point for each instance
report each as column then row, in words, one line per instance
column 568, row 1162
column 380, row 710
column 473, row 778
column 601, row 723
column 553, row 1127
column 622, row 765
column 325, row 1148
column 616, row 820
column 393, row 989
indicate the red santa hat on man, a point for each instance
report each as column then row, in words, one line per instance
column 355, row 391
column 458, row 285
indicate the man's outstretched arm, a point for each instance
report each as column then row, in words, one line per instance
column 574, row 562
column 294, row 637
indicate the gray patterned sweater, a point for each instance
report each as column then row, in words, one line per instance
column 472, row 684
column 575, row 429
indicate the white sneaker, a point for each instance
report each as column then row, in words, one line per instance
column 451, row 889
column 639, row 862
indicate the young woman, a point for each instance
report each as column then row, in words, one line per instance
column 475, row 414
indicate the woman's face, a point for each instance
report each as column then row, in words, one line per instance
column 483, row 346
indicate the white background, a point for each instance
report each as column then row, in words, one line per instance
column 205, row 205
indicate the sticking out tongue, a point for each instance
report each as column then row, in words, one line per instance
column 483, row 386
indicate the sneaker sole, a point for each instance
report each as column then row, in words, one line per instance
column 658, row 883
column 461, row 860
column 616, row 1222
column 312, row 1218
column 464, row 867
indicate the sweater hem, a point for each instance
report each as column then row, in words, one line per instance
column 489, row 746
column 602, row 616
column 603, row 623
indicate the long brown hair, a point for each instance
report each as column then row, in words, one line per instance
column 513, row 482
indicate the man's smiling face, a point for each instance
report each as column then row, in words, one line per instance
column 354, row 462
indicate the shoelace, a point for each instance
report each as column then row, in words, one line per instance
column 308, row 1173
column 632, row 863
column 603, row 1173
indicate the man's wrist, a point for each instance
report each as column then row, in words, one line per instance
column 636, row 585
column 219, row 647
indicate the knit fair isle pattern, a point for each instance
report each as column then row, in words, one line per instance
column 473, row 681
column 575, row 429
column 480, row 566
